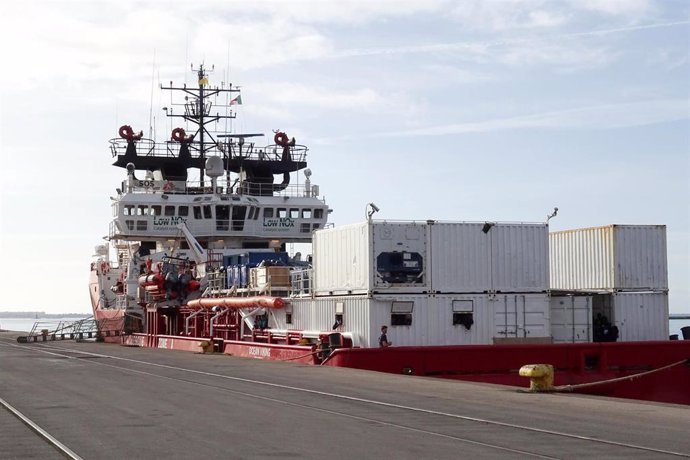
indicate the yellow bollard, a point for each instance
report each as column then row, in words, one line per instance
column 541, row 376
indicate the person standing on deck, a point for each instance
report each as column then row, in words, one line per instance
column 383, row 340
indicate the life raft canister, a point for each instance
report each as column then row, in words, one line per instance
column 281, row 139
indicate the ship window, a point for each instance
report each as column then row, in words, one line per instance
column 305, row 227
column 294, row 213
column 129, row 224
column 401, row 319
column 128, row 210
column 316, row 226
column 268, row 212
column 288, row 318
column 251, row 213
column 114, row 209
column 207, row 212
column 222, row 217
column 184, row 244
column 282, row 213
column 142, row 225
column 318, row 213
column 155, row 210
column 183, row 211
column 142, row 210
column 197, row 212
column 463, row 313
column 169, row 210
column 306, row 213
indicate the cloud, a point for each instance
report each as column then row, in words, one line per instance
column 610, row 116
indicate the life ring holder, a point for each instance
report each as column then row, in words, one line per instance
column 281, row 139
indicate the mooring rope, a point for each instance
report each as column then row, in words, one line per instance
column 570, row 388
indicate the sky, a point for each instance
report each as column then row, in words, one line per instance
column 456, row 111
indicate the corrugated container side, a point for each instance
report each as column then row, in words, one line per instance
column 520, row 257
column 342, row 260
column 432, row 321
column 459, row 254
column 319, row 314
column 582, row 259
column 641, row 315
column 641, row 257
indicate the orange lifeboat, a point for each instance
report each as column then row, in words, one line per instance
column 238, row 302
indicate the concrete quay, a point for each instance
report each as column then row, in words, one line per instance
column 106, row 401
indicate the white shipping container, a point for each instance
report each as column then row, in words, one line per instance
column 571, row 319
column 360, row 258
column 522, row 316
column 641, row 315
column 409, row 257
column 615, row 257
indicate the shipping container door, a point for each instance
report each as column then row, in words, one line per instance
column 522, row 316
column 571, row 319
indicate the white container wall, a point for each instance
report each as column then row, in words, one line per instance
column 342, row 259
column 641, row 315
column 460, row 259
column 519, row 257
column 615, row 257
column 433, row 320
column 571, row 319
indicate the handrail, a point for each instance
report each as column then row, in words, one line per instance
column 186, row 321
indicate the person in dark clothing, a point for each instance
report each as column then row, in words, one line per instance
column 383, row 340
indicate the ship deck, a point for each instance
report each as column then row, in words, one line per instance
column 109, row 401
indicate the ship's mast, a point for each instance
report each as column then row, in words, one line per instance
column 197, row 112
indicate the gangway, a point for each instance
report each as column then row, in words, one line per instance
column 87, row 328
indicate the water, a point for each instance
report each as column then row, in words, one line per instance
column 675, row 325
column 26, row 324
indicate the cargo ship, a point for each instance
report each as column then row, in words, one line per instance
column 209, row 265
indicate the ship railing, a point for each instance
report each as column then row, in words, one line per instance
column 248, row 150
column 223, row 188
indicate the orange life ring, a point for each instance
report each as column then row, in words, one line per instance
column 281, row 139
column 178, row 134
column 126, row 132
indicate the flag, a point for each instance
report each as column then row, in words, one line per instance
column 237, row 100
column 203, row 81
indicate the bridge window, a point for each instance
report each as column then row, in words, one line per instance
column 282, row 213
column 294, row 213
column 142, row 225
column 197, row 212
column 130, row 224
column 128, row 210
column 268, row 212
column 155, row 210
column 318, row 213
column 142, row 211
column 306, row 213
column 183, row 211
column 304, row 227
column 169, row 210
column 208, row 214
